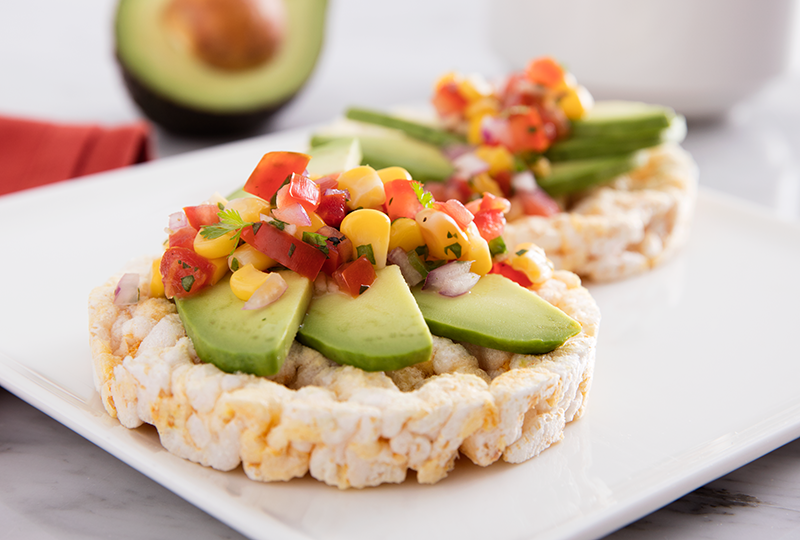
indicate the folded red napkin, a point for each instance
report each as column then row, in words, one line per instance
column 34, row 153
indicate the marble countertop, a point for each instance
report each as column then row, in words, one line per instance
column 57, row 63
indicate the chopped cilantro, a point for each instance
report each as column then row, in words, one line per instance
column 278, row 224
column 235, row 264
column 415, row 260
column 422, row 250
column 317, row 240
column 187, row 282
column 291, row 249
column 521, row 252
column 497, row 246
column 362, row 289
column 455, row 248
column 257, row 226
column 273, row 202
column 366, row 250
column 425, row 197
column 230, row 221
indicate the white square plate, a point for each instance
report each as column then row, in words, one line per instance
column 697, row 368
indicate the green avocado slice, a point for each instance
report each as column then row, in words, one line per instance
column 251, row 341
column 621, row 118
column 380, row 330
column 424, row 161
column 415, row 130
column 569, row 176
column 499, row 314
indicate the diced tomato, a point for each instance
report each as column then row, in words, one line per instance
column 489, row 202
column 439, row 190
column 448, row 100
column 328, row 182
column 401, row 199
column 456, row 210
column 527, row 132
column 184, row 272
column 333, row 206
column 273, row 170
column 183, row 237
column 545, row 71
column 284, row 248
column 356, row 276
column 518, row 90
column 340, row 249
column 490, row 223
column 505, row 269
column 538, row 203
column 204, row 214
column 503, row 179
column 304, row 191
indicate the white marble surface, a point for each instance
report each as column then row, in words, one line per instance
column 56, row 63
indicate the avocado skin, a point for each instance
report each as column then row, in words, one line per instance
column 249, row 341
column 187, row 121
column 380, row 330
column 499, row 314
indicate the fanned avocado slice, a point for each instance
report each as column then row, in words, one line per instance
column 570, row 176
column 380, row 330
column 622, row 118
column 216, row 66
column 499, row 314
column 251, row 341
column 415, row 130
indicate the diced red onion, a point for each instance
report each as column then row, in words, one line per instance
column 331, row 191
column 400, row 258
column 468, row 165
column 177, row 221
column 453, row 151
column 270, row 291
column 292, row 213
column 524, row 181
column 451, row 279
column 492, row 129
column 127, row 291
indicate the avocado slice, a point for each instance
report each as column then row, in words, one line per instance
column 380, row 330
column 616, row 143
column 335, row 156
column 251, row 341
column 222, row 77
column 622, row 118
column 499, row 314
column 415, row 130
column 423, row 161
column 568, row 176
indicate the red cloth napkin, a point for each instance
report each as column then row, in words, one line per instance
column 34, row 153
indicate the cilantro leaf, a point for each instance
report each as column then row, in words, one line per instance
column 425, row 197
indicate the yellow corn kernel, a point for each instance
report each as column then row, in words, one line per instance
column 220, row 268
column 216, row 247
column 247, row 254
column 393, row 173
column 474, row 132
column 316, row 223
column 478, row 251
column 246, row 280
column 368, row 227
column 157, row 281
column 405, row 234
column 576, row 102
column 365, row 187
column 541, row 167
column 250, row 208
column 469, row 90
column 531, row 260
column 498, row 158
column 443, row 236
column 481, row 107
column 482, row 183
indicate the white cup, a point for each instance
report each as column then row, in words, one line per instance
column 699, row 56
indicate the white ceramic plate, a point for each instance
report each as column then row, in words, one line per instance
column 696, row 374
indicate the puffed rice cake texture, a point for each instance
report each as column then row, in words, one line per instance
column 342, row 425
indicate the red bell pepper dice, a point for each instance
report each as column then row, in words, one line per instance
column 273, row 170
column 356, row 276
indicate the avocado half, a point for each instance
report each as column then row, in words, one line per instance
column 211, row 67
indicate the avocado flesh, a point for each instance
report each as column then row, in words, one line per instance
column 423, row 161
column 569, row 176
column 380, row 330
column 616, row 142
column 336, row 156
column 186, row 95
column 622, row 118
column 251, row 341
column 499, row 314
column 415, row 130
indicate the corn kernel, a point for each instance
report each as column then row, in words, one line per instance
column 156, row 282
column 215, row 248
column 531, row 260
column 365, row 187
column 481, row 107
column 220, row 268
column 443, row 236
column 247, row 254
column 316, row 224
column 249, row 208
column 393, row 173
column 478, row 251
column 483, row 183
column 474, row 130
column 576, row 102
column 405, row 234
column 367, row 227
column 246, row 280
column 498, row 158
